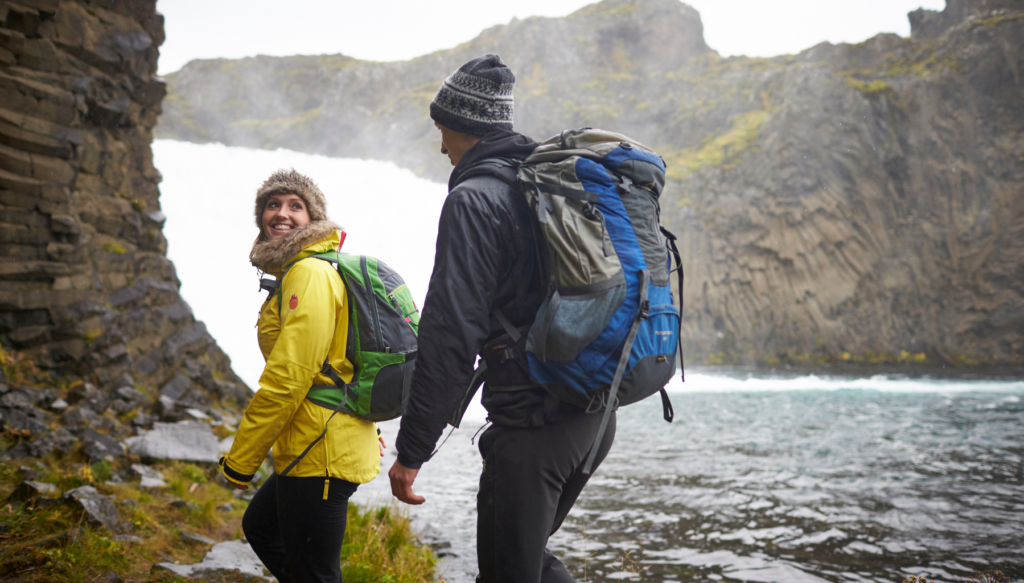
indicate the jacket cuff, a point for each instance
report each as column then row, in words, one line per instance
column 405, row 461
column 233, row 475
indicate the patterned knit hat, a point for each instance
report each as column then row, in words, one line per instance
column 477, row 98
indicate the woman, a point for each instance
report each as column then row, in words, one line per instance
column 296, row 522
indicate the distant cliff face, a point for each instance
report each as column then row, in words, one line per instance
column 853, row 202
column 85, row 284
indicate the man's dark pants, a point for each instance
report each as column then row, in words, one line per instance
column 295, row 532
column 531, row 478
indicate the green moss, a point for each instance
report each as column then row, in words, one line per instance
column 112, row 247
column 299, row 122
column 872, row 87
column 535, row 83
column 601, row 10
column 997, row 20
column 721, row 150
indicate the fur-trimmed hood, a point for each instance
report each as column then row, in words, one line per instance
column 272, row 255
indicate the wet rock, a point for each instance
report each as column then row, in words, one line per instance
column 100, row 447
column 22, row 420
column 184, row 504
column 59, row 440
column 28, row 473
column 176, row 387
column 197, row 414
column 127, row 538
column 99, row 510
column 164, row 406
column 143, row 421
column 224, row 559
column 121, row 406
column 186, row 441
column 131, row 395
column 82, row 392
column 194, row 537
column 16, row 400
column 59, row 405
column 27, row 490
column 150, row 478
column 80, row 417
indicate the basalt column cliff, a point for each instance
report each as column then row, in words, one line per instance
column 859, row 203
column 86, row 289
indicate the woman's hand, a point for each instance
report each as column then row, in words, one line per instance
column 239, row 486
column 383, row 445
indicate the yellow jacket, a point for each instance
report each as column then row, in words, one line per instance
column 312, row 324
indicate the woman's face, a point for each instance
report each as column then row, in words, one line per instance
column 283, row 213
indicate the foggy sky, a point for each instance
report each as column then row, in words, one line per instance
column 392, row 30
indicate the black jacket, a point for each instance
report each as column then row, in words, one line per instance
column 485, row 260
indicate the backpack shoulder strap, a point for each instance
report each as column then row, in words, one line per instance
column 503, row 169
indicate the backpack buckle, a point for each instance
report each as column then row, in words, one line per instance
column 645, row 309
column 267, row 284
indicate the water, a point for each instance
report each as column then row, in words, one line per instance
column 899, row 477
column 785, row 479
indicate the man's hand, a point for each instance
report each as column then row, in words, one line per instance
column 239, row 486
column 401, row 484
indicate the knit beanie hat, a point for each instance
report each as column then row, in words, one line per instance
column 477, row 98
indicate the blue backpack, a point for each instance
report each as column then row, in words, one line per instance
column 607, row 333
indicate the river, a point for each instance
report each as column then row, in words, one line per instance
column 764, row 478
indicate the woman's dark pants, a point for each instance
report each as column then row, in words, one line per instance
column 295, row 532
column 531, row 478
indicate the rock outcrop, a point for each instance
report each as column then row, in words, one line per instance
column 88, row 299
column 852, row 202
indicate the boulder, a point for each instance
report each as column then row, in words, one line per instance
column 100, row 447
column 59, row 440
column 81, row 417
column 150, row 477
column 29, row 489
column 184, row 504
column 224, row 559
column 99, row 510
column 195, row 537
column 186, row 441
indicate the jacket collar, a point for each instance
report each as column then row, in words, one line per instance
column 497, row 143
column 273, row 255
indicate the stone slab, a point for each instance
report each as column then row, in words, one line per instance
column 192, row 441
column 223, row 559
column 98, row 508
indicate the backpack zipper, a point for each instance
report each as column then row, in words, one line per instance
column 371, row 297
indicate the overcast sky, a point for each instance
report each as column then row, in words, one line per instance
column 391, row 30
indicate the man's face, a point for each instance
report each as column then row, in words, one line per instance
column 455, row 144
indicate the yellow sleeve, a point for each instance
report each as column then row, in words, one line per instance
column 307, row 328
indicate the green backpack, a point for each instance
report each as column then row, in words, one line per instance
column 383, row 321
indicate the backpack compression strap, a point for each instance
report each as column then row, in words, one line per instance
column 344, row 399
column 627, row 349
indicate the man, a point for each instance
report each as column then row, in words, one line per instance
column 486, row 264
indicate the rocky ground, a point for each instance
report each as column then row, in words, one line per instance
column 119, row 484
column 848, row 204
